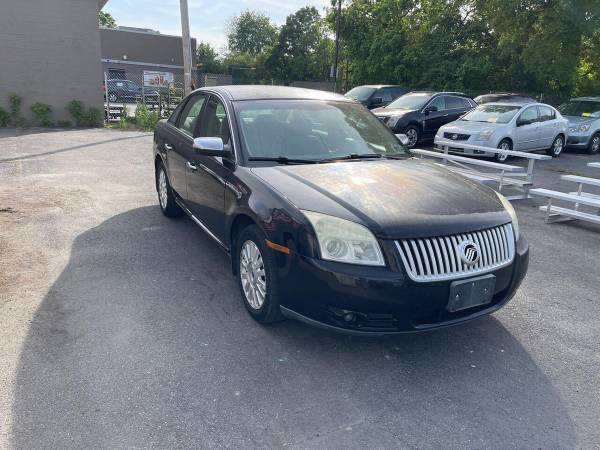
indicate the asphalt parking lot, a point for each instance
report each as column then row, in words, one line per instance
column 124, row 329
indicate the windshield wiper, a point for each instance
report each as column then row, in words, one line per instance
column 283, row 160
column 353, row 156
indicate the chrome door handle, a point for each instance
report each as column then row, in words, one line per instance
column 168, row 147
column 192, row 166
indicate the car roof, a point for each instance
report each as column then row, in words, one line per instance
column 589, row 99
column 519, row 104
column 379, row 86
column 461, row 94
column 260, row 92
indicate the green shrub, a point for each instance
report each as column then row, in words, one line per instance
column 123, row 120
column 146, row 118
column 4, row 118
column 15, row 111
column 42, row 113
column 83, row 117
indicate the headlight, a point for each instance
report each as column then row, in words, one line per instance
column 344, row 241
column 580, row 129
column 392, row 121
column 511, row 211
column 485, row 135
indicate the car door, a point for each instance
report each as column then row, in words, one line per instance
column 207, row 175
column 455, row 107
column 433, row 120
column 179, row 140
column 548, row 127
column 527, row 129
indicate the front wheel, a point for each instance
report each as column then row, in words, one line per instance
column 413, row 135
column 256, row 276
column 112, row 97
column 594, row 145
column 504, row 144
column 557, row 147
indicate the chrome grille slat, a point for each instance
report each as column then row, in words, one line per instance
column 438, row 258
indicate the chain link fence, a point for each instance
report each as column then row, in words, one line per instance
column 157, row 91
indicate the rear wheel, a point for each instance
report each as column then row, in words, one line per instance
column 256, row 276
column 166, row 198
column 594, row 145
column 557, row 147
column 112, row 97
column 504, row 144
column 413, row 135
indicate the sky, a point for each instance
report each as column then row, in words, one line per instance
column 208, row 19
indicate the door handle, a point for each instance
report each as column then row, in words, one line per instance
column 191, row 166
column 168, row 147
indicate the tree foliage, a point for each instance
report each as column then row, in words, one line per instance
column 534, row 46
column 208, row 58
column 251, row 32
column 106, row 20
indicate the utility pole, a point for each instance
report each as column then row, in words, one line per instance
column 187, row 47
column 337, row 44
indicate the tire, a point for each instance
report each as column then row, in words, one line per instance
column 594, row 145
column 112, row 97
column 413, row 134
column 256, row 275
column 557, row 146
column 504, row 144
column 166, row 198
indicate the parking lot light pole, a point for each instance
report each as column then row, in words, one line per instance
column 337, row 44
column 187, row 47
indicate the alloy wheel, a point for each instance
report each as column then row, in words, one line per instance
column 253, row 275
column 412, row 136
column 596, row 144
column 502, row 157
column 557, row 146
column 162, row 189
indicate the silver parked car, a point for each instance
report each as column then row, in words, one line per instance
column 583, row 115
column 508, row 126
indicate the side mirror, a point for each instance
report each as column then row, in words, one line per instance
column 210, row 146
column 431, row 108
column 520, row 122
column 403, row 139
column 376, row 101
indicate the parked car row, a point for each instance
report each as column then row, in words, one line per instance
column 508, row 121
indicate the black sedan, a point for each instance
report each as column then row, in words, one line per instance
column 328, row 219
column 375, row 96
column 419, row 115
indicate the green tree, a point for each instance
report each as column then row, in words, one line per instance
column 208, row 58
column 251, row 32
column 303, row 51
column 106, row 20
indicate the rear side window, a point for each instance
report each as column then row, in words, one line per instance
column 546, row 113
column 175, row 114
column 453, row 102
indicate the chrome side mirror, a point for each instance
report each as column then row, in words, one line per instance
column 403, row 139
column 210, row 146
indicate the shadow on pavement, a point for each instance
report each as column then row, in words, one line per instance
column 143, row 342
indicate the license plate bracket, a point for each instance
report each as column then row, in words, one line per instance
column 465, row 294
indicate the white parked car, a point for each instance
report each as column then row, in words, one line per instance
column 508, row 126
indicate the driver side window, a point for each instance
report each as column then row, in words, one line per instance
column 530, row 115
column 189, row 115
column 214, row 121
column 438, row 102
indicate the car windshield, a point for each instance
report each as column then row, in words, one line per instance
column 580, row 108
column 360, row 93
column 414, row 100
column 313, row 130
column 491, row 114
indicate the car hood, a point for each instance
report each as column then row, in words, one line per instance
column 394, row 198
column 396, row 112
column 464, row 127
column 578, row 120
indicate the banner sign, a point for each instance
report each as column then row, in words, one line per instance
column 154, row 78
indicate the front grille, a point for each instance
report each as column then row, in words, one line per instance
column 439, row 258
column 456, row 136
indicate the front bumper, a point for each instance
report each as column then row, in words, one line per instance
column 383, row 300
column 457, row 148
column 576, row 140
